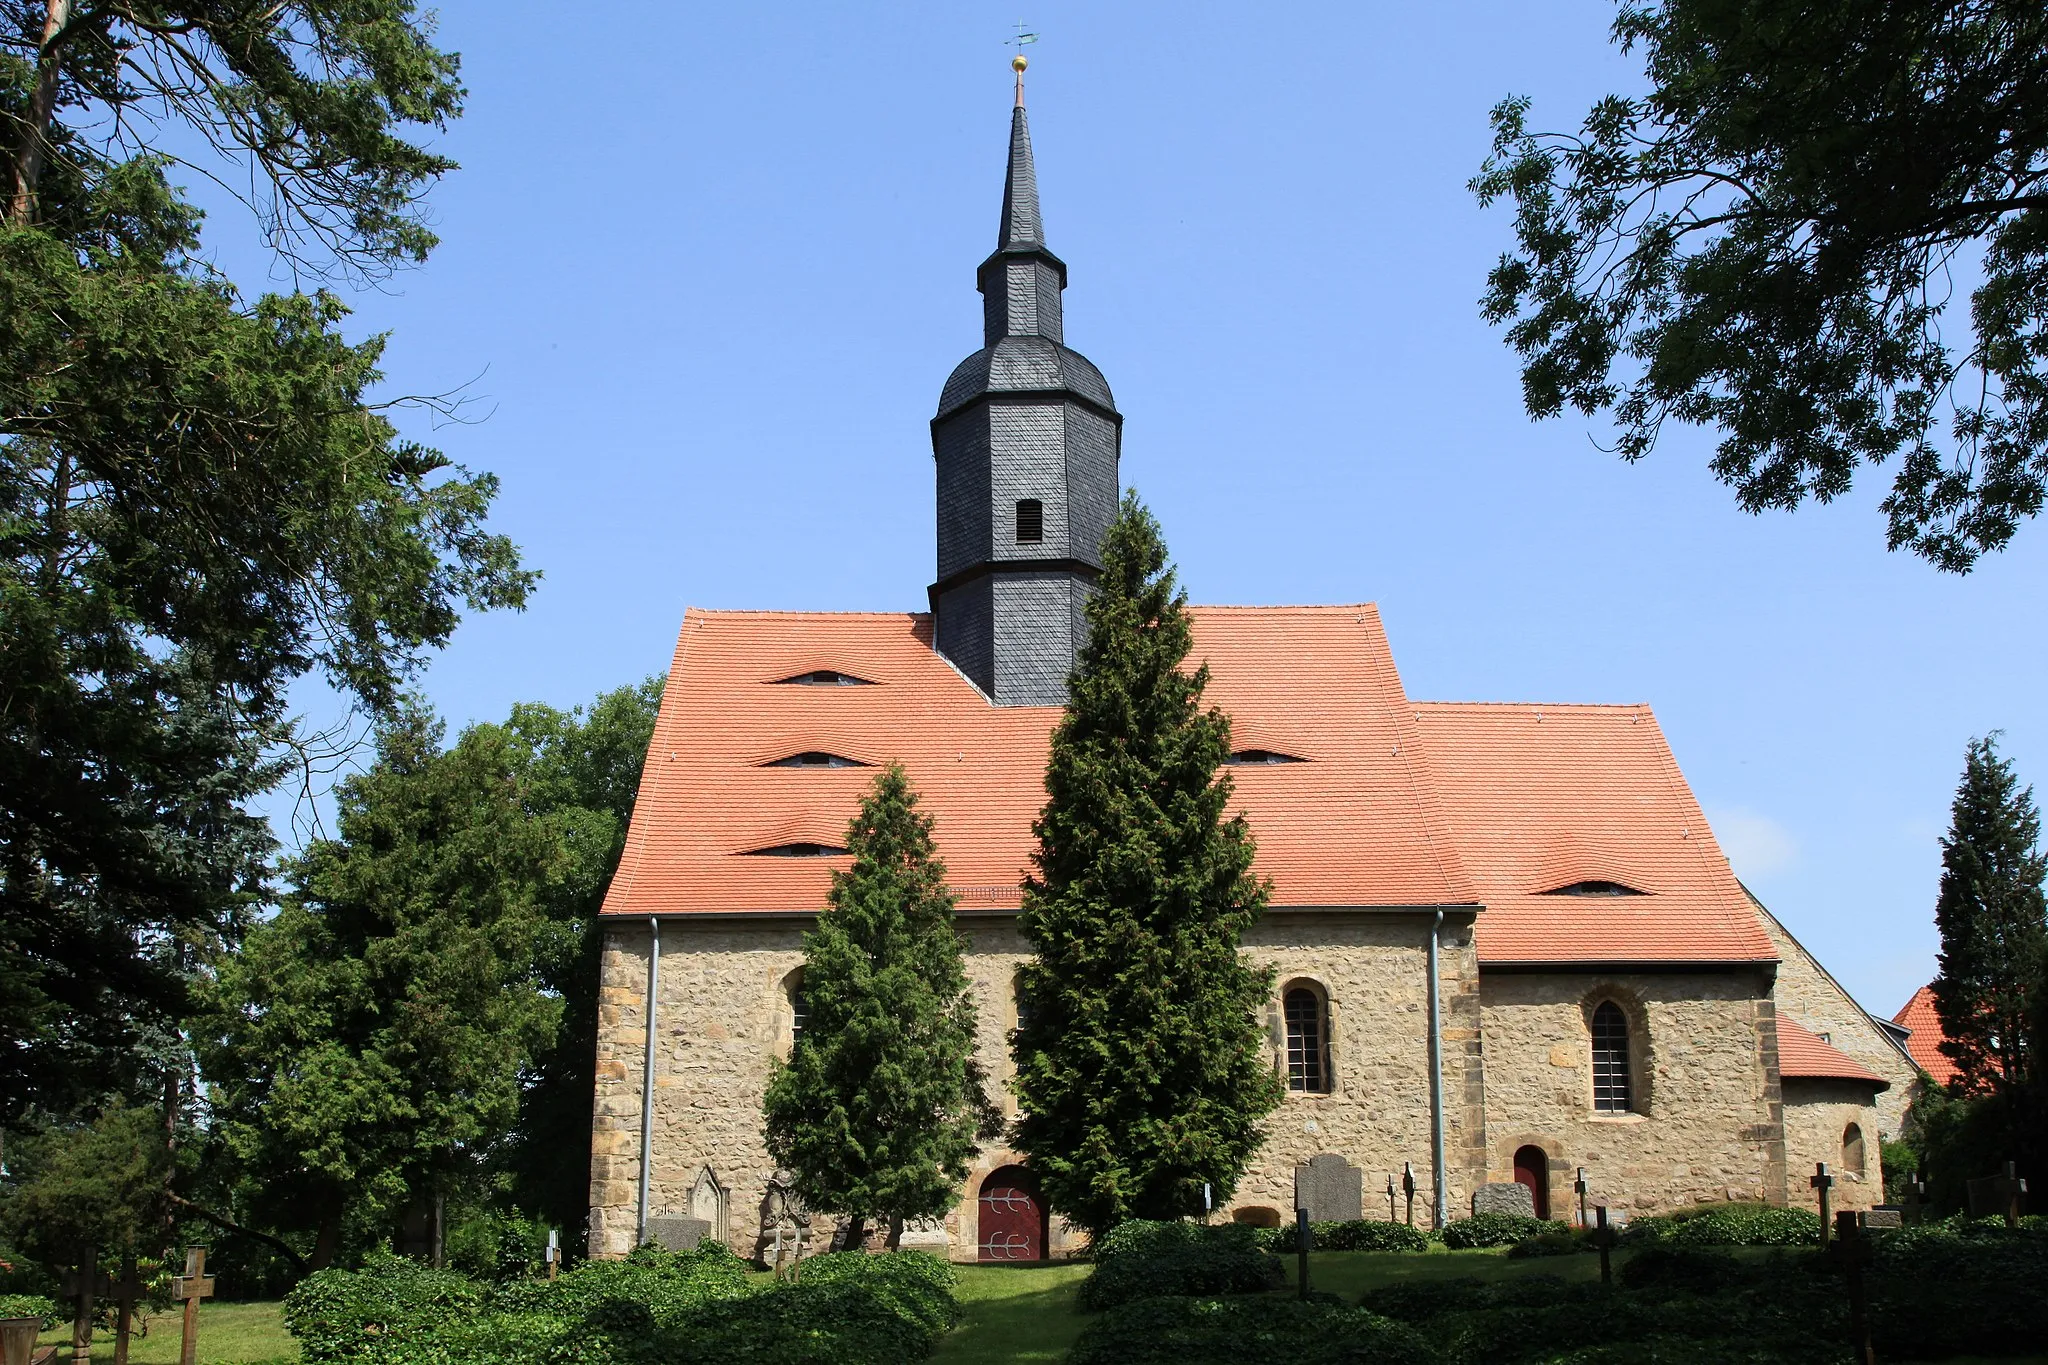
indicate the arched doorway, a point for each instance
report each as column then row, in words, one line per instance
column 1532, row 1168
column 1012, row 1218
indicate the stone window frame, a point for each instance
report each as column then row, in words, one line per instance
column 787, row 1023
column 1637, row 1017
column 1283, row 1040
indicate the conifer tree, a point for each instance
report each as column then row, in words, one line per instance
column 1141, row 1070
column 1994, row 929
column 880, row 1105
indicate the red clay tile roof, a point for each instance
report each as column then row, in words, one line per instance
column 1356, row 825
column 1541, row 797
column 1924, row 1037
column 1397, row 805
column 1801, row 1052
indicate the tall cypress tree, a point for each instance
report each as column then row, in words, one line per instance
column 1141, row 1070
column 879, row 1107
column 1994, row 929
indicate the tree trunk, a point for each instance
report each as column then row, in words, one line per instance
column 325, row 1244
column 856, row 1232
column 42, row 107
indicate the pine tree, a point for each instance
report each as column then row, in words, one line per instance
column 1141, row 1070
column 879, row 1108
column 1994, row 928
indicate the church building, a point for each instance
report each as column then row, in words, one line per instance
column 1507, row 946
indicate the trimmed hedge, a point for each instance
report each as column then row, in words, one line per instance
column 1726, row 1225
column 1142, row 1259
column 1496, row 1230
column 1262, row 1331
column 653, row 1308
column 1360, row 1234
column 1555, row 1242
column 29, row 1306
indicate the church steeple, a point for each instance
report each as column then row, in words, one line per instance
column 1026, row 441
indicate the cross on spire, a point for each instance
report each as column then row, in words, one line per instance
column 1022, row 39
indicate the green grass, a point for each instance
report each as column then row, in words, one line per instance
column 1015, row 1313
column 229, row 1334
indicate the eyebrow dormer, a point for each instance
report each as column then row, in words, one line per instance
column 1593, row 888
column 1244, row 758
column 824, row 677
column 816, row 758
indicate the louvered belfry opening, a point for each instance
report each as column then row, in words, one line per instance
column 1610, row 1059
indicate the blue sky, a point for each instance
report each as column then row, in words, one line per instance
column 705, row 268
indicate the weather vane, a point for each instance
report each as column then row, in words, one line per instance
column 1023, row 39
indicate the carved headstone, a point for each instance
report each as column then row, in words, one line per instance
column 1330, row 1188
column 924, row 1234
column 678, row 1234
column 1511, row 1197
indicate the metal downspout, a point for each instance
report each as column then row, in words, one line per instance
column 1436, row 1076
column 647, row 1075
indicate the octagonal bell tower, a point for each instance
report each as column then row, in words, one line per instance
column 1026, row 442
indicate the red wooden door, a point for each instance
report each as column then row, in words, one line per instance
column 1012, row 1223
column 1532, row 1168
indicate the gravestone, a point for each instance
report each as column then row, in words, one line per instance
column 1884, row 1219
column 1330, row 1188
column 924, row 1234
column 1512, row 1197
column 678, row 1234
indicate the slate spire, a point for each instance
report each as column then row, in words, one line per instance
column 1026, row 442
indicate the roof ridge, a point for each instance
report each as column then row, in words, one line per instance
column 1435, row 824
column 1283, row 606
column 689, row 612
column 1642, row 706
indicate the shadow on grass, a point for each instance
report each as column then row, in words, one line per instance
column 1015, row 1313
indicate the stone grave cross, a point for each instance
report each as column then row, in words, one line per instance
column 192, row 1286
column 1603, row 1238
column 1854, row 1251
column 2011, row 1189
column 1823, row 1182
column 125, row 1292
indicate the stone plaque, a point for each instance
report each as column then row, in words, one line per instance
column 1882, row 1219
column 678, row 1234
column 1511, row 1197
column 924, row 1234
column 1330, row 1188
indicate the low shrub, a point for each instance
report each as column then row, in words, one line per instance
column 1422, row 1301
column 30, row 1306
column 1726, row 1225
column 1960, row 1288
column 1263, row 1331
column 377, row 1313
column 1495, row 1230
column 1555, row 1242
column 849, row 1308
column 1358, row 1234
column 1149, row 1237
column 1215, row 1265
column 1695, row 1269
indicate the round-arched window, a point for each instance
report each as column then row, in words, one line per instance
column 1308, row 1039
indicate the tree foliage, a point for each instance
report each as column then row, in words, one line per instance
column 877, row 1111
column 201, row 497
column 1993, row 921
column 1141, row 1070
column 72, row 1191
column 1769, row 241
column 366, row 1046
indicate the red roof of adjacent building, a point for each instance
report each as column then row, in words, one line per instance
column 1924, row 1035
column 1397, row 805
column 1804, row 1053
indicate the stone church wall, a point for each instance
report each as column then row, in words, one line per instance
column 1707, row 1121
column 1818, row 1113
column 1806, row 991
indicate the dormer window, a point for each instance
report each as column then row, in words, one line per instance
column 816, row 758
column 1594, row 889
column 1245, row 758
column 1030, row 521
column 798, row 851
column 824, row 677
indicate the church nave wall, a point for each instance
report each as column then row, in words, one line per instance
column 1704, row 1121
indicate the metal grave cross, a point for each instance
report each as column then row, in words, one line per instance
column 1579, row 1189
column 192, row 1286
column 1603, row 1238
column 1823, row 1182
column 1390, row 1196
column 1408, row 1187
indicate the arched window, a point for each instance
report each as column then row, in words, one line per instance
column 1610, row 1059
column 1308, row 1035
column 1852, row 1149
column 795, row 1013
column 1023, row 1005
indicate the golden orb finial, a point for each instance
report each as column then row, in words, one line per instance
column 1018, row 63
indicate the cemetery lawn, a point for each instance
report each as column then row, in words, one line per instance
column 229, row 1334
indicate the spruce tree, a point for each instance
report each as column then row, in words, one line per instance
column 1141, row 1070
column 878, row 1110
column 1994, row 929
